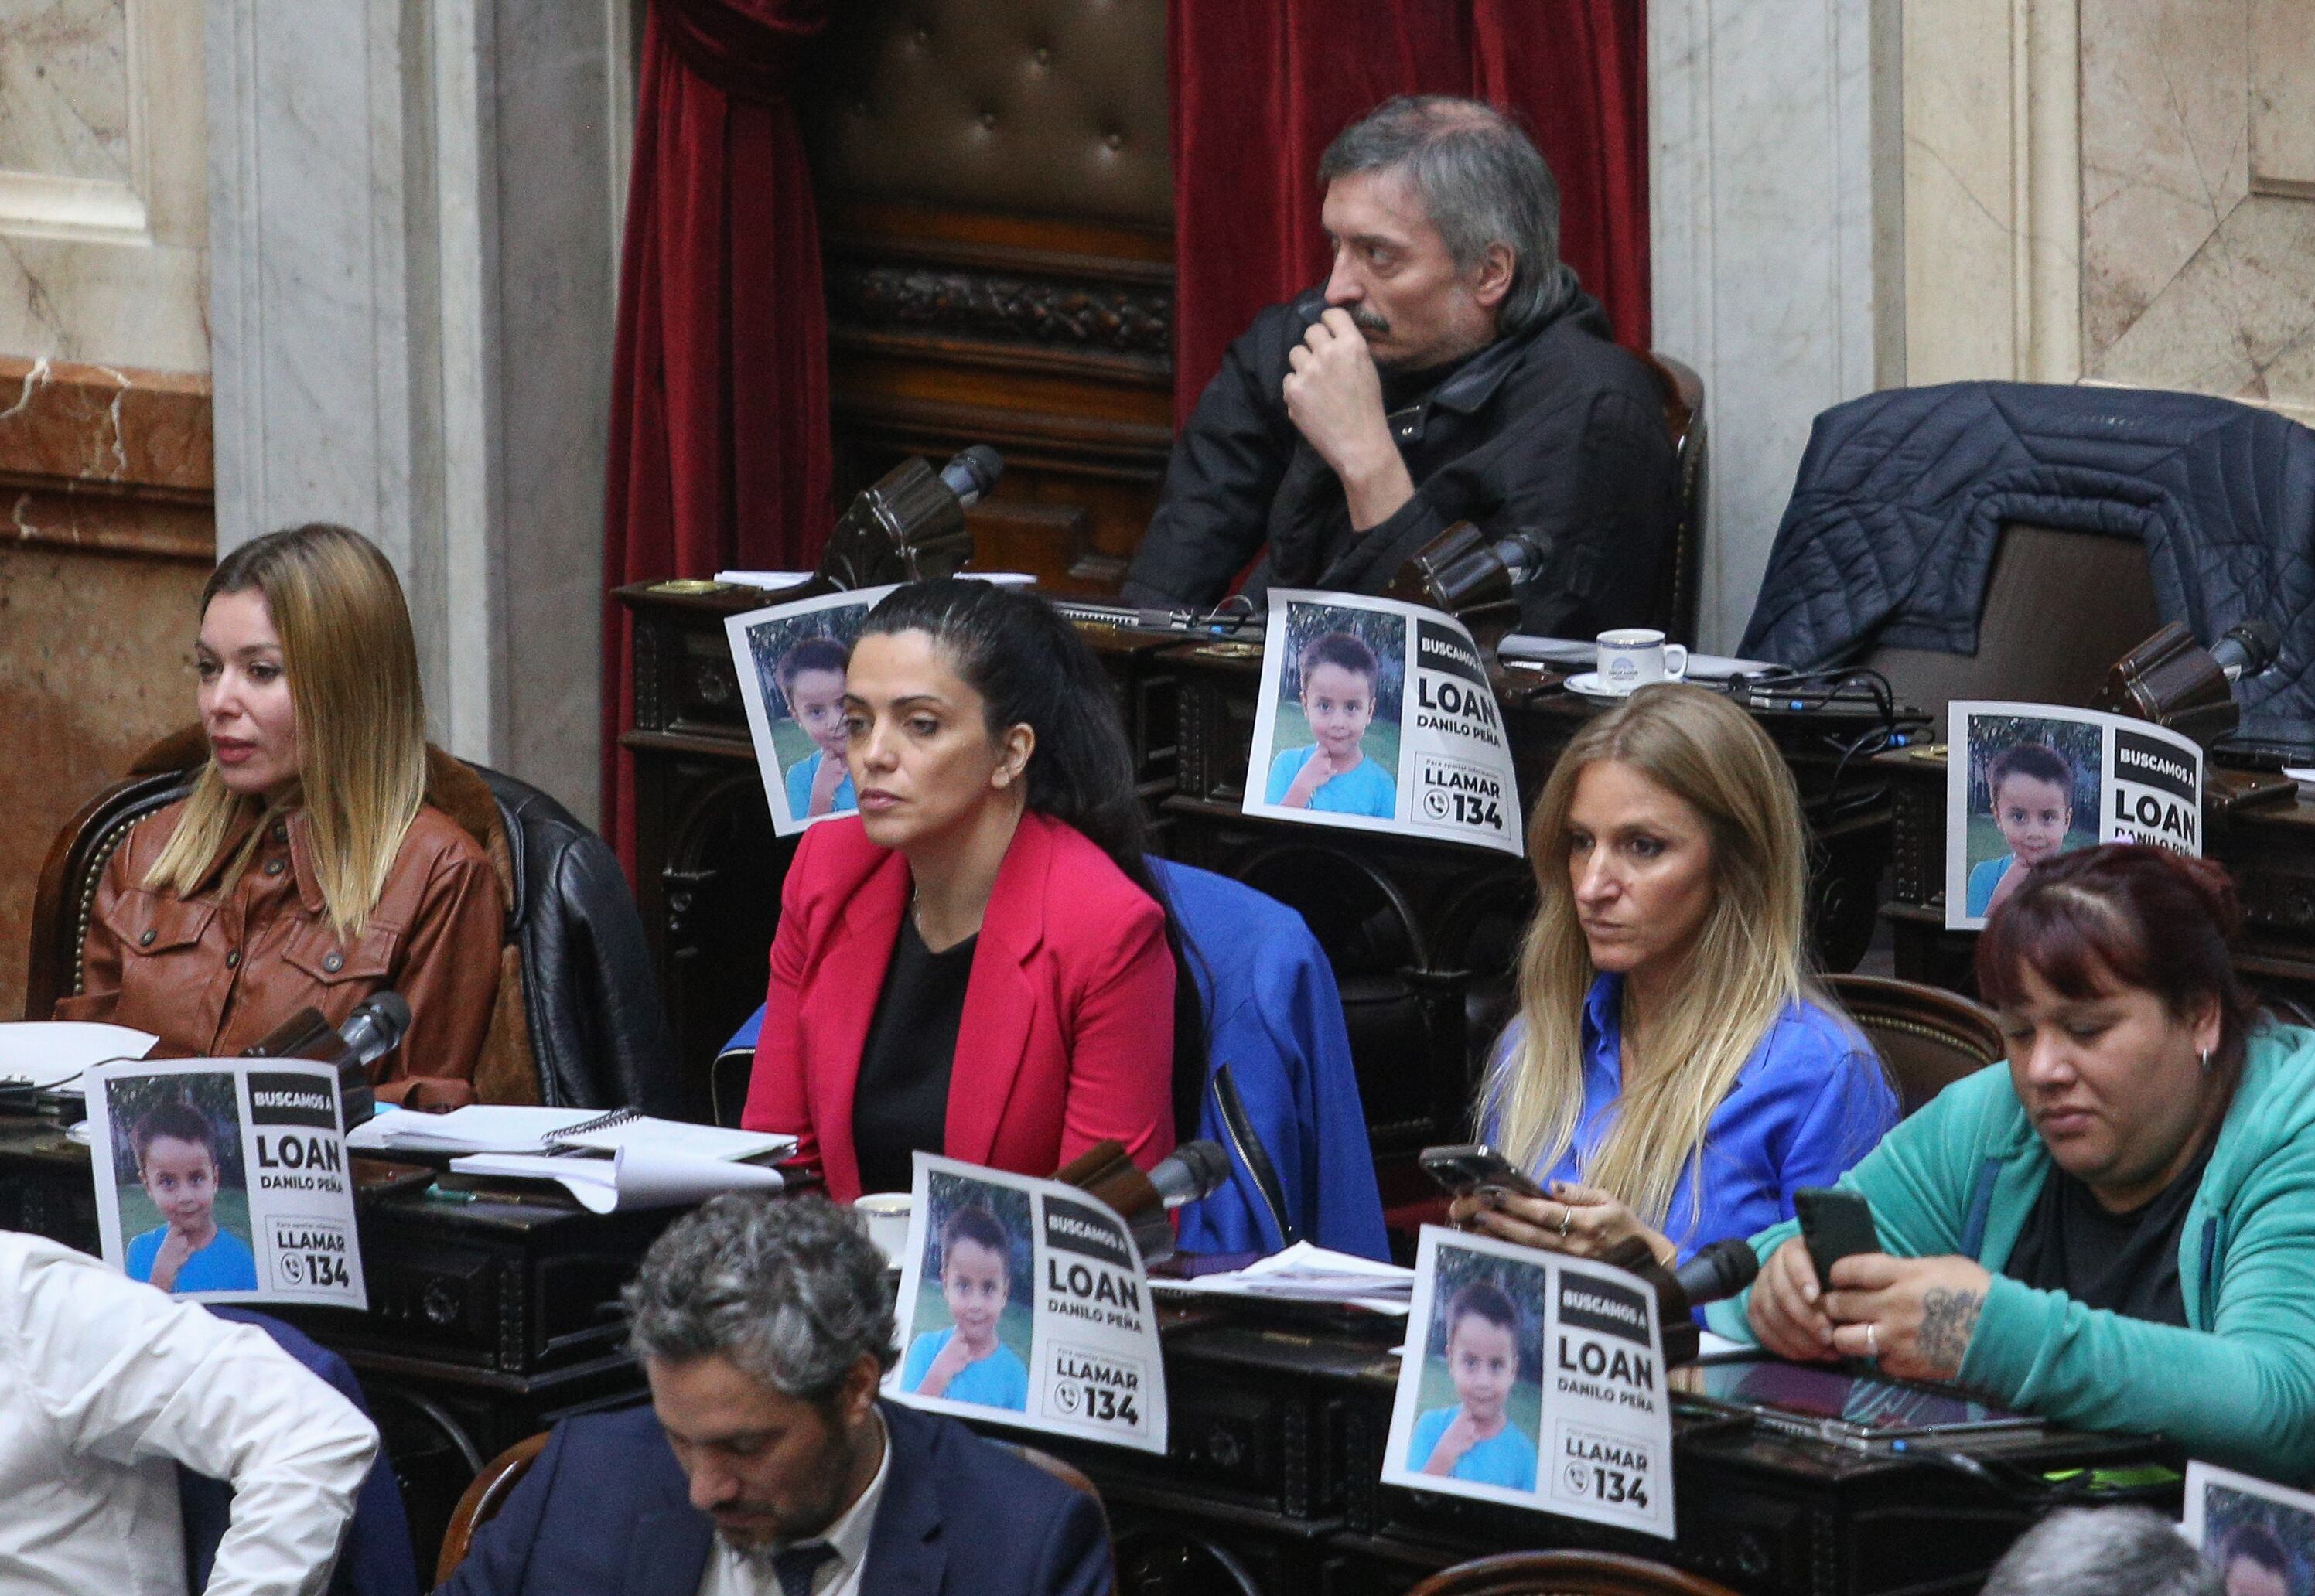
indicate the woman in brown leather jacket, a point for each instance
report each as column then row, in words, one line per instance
column 303, row 869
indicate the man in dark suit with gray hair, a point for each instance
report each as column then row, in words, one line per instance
column 765, row 1465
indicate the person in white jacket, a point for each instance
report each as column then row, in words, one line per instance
column 105, row 1386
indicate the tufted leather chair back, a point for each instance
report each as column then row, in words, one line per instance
column 996, row 197
column 1052, row 108
column 1678, row 583
column 66, row 898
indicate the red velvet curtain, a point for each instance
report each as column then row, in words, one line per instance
column 1259, row 91
column 719, row 449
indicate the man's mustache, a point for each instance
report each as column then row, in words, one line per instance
column 1368, row 320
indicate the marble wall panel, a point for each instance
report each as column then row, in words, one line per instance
column 2283, row 97
column 1766, row 245
column 64, row 89
column 98, row 664
column 2198, row 239
column 103, row 199
column 106, row 477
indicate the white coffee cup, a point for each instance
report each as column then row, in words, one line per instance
column 887, row 1213
column 1634, row 657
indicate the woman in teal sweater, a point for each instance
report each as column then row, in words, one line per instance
column 2117, row 1230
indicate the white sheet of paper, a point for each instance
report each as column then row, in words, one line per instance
column 52, row 1053
column 631, row 1179
column 1307, row 1273
column 771, row 582
column 478, row 1128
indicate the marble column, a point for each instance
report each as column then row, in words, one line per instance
column 1774, row 226
column 413, row 220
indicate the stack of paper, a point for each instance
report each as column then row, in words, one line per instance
column 638, row 1175
column 52, row 1053
column 500, row 1128
column 1308, row 1274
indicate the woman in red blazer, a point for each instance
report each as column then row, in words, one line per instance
column 979, row 963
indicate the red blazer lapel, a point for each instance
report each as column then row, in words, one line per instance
column 839, row 1006
column 1000, row 1000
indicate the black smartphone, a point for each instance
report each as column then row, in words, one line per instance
column 1473, row 1165
column 1834, row 1225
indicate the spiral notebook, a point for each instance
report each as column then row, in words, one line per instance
column 501, row 1127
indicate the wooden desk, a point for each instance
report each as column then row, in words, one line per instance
column 489, row 1319
column 2267, row 845
column 1277, row 1426
column 1423, row 935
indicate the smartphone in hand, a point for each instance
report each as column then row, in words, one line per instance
column 1834, row 1225
column 1470, row 1166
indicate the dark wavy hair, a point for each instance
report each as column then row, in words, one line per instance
column 179, row 1120
column 2036, row 760
column 2131, row 913
column 1031, row 668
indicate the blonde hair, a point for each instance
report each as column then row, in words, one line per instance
column 1746, row 964
column 352, row 669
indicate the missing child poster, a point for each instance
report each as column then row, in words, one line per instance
column 1378, row 716
column 1025, row 1301
column 2027, row 782
column 1533, row 1380
column 2258, row 1535
column 791, row 661
column 225, row 1180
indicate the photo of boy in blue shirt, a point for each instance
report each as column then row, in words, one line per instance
column 811, row 677
column 1334, row 774
column 1476, row 1439
column 2032, row 785
column 177, row 1162
column 966, row 1363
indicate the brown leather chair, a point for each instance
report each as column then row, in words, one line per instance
column 1678, row 581
column 484, row 1498
column 1927, row 1036
column 66, row 897
column 2061, row 607
column 1565, row 1574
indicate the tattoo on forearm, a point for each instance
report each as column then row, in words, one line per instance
column 1948, row 1317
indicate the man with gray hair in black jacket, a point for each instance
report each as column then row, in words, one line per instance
column 1451, row 369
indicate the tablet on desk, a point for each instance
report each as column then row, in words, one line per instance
column 1847, row 1409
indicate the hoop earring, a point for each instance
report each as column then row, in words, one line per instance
column 2206, row 1061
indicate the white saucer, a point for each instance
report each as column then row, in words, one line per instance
column 1586, row 684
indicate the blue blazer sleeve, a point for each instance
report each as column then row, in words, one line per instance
column 1274, row 1016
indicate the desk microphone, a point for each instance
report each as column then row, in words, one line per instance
column 973, row 472
column 1721, row 1270
column 375, row 1028
column 1195, row 1169
column 2247, row 649
column 371, row 1032
column 909, row 524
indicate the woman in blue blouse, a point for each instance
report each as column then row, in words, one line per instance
column 1672, row 1073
